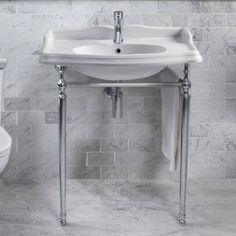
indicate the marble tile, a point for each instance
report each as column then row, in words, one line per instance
column 200, row 117
column 108, row 119
column 230, row 171
column 86, row 7
column 115, row 144
column 202, row 7
column 227, row 61
column 102, row 131
column 208, row 171
column 7, row 7
column 209, row 104
column 15, row 21
column 179, row 20
column 222, row 158
column 141, row 92
column 153, row 163
column 230, row 143
column 175, row 6
column 137, row 131
column 200, row 90
column 199, row 130
column 99, row 104
column 224, row 6
column 85, row 145
column 230, row 76
column 111, row 6
column 114, row 172
column 230, row 104
column 44, row 21
column 8, row 118
column 104, row 158
column 76, row 158
column 128, row 158
column 231, row 20
column 76, row 103
column 17, row 131
column 201, row 34
column 51, row 117
column 66, row 21
column 143, row 145
column 161, row 20
column 30, row 93
column 218, row 90
column 36, row 90
column 152, row 103
column 133, row 103
column 142, row 117
column 86, row 117
column 48, row 104
column 138, row 6
column 77, row 131
column 211, row 48
column 208, row 76
column 9, row 90
column 201, row 158
column 147, row 207
column 49, row 7
column 226, row 116
column 82, row 172
column 199, row 20
column 231, row 48
column 16, row 104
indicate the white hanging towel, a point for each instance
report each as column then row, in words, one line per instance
column 170, row 114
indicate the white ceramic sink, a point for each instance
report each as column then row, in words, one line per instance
column 144, row 52
column 123, row 49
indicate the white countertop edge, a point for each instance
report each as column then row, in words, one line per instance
column 70, row 61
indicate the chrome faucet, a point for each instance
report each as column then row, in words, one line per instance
column 118, row 23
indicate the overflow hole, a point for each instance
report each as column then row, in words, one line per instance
column 118, row 50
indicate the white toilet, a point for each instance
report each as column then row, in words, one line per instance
column 5, row 138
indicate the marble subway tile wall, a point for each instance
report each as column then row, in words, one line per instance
column 98, row 145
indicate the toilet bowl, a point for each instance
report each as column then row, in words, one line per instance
column 5, row 138
column 5, row 148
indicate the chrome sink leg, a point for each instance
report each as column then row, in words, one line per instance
column 184, row 143
column 62, row 142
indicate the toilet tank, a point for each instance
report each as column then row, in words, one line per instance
column 3, row 62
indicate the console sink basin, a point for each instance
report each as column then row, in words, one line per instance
column 123, row 49
column 145, row 51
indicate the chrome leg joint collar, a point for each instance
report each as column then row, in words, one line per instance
column 186, row 85
column 61, row 85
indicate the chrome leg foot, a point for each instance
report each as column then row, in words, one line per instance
column 63, row 220
column 181, row 219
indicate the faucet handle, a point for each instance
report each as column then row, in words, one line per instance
column 118, row 15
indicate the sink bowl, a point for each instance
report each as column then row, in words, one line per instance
column 145, row 51
column 118, row 50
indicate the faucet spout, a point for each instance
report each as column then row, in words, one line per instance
column 118, row 24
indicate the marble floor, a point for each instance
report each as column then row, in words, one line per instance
column 118, row 208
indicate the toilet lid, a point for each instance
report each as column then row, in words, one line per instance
column 5, row 140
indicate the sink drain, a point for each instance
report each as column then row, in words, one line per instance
column 118, row 50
